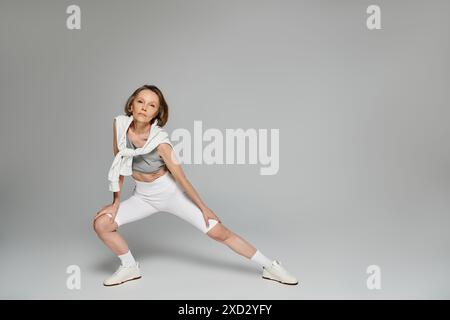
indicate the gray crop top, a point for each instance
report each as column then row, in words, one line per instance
column 149, row 162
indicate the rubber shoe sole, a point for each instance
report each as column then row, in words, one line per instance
column 291, row 284
column 116, row 284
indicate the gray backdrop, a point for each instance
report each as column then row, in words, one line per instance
column 364, row 155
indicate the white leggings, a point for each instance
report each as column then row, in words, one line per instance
column 162, row 194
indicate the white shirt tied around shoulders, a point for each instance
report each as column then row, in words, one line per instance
column 123, row 161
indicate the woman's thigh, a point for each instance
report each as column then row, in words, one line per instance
column 132, row 209
column 183, row 207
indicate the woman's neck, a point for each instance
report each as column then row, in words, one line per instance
column 140, row 128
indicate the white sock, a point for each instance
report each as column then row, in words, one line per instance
column 261, row 259
column 127, row 259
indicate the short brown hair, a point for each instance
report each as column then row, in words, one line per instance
column 163, row 112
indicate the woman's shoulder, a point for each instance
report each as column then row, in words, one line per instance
column 165, row 137
column 121, row 120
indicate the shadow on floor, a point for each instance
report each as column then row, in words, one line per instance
column 146, row 254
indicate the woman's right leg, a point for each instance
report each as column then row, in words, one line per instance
column 132, row 209
column 129, row 210
column 106, row 230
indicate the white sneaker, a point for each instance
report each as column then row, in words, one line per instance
column 124, row 274
column 276, row 272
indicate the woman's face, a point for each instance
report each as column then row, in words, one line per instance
column 145, row 106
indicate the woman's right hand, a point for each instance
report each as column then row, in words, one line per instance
column 109, row 208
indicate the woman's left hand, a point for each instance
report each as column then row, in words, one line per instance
column 209, row 214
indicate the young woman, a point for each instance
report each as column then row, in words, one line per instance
column 142, row 149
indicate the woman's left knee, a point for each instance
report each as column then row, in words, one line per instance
column 219, row 232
